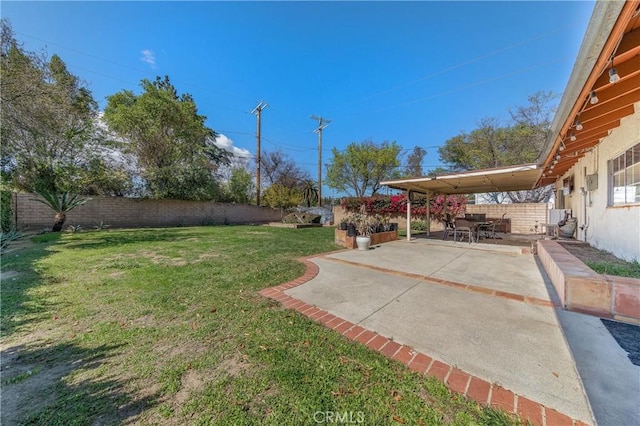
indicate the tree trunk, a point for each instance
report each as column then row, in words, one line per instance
column 60, row 218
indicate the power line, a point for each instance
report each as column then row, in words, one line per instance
column 140, row 70
column 478, row 83
column 465, row 63
column 233, row 132
column 286, row 146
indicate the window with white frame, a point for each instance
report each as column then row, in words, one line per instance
column 624, row 172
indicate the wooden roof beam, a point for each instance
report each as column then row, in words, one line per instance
column 590, row 141
column 629, row 46
column 591, row 131
column 612, row 106
column 627, row 13
column 615, row 91
column 626, row 69
column 602, row 120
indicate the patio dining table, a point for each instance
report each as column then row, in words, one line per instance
column 475, row 226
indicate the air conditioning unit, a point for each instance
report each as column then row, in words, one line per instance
column 592, row 182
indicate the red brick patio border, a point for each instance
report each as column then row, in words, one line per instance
column 472, row 387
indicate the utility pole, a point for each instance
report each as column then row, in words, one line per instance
column 322, row 124
column 258, row 112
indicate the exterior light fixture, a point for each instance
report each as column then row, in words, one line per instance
column 557, row 156
column 561, row 148
column 613, row 76
column 578, row 125
column 593, row 98
column 573, row 137
column 551, row 166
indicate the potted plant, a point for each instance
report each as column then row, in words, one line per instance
column 365, row 226
column 386, row 223
column 351, row 221
column 343, row 223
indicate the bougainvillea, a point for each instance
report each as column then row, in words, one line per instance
column 397, row 204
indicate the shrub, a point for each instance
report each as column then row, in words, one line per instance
column 397, row 204
column 61, row 205
column 6, row 218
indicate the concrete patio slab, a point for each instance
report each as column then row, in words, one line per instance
column 501, row 268
column 497, row 337
column 516, row 345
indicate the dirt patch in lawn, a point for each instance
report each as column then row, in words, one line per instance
column 5, row 275
column 27, row 386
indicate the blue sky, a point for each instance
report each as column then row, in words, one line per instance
column 418, row 73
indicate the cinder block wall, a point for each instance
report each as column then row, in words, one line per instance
column 523, row 216
column 119, row 212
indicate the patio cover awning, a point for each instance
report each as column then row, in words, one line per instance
column 500, row 179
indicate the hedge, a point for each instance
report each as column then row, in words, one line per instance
column 397, row 204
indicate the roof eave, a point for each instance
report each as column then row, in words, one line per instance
column 603, row 19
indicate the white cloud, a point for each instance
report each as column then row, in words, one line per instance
column 227, row 144
column 240, row 157
column 148, row 57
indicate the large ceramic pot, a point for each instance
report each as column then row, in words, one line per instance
column 363, row 242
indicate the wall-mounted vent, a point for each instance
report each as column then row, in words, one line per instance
column 592, row 182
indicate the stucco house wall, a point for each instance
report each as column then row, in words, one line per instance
column 612, row 228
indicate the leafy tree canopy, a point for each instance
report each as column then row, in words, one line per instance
column 361, row 167
column 173, row 147
column 414, row 162
column 241, row 186
column 50, row 140
column 494, row 145
column 281, row 196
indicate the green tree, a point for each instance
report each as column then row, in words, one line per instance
column 281, row 196
column 48, row 121
column 309, row 192
column 61, row 205
column 362, row 166
column 173, row 147
column 241, row 186
column 494, row 145
column 414, row 162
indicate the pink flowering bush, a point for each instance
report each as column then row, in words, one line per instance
column 397, row 204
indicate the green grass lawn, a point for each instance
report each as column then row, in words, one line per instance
column 165, row 326
column 621, row 268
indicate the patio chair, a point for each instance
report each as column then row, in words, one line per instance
column 463, row 227
column 449, row 226
column 490, row 230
